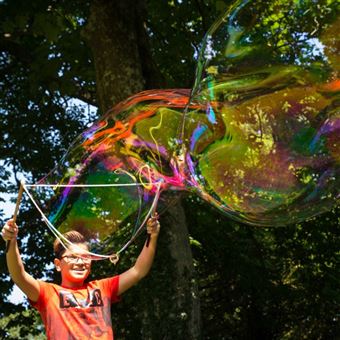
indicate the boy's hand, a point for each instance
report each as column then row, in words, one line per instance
column 153, row 226
column 9, row 231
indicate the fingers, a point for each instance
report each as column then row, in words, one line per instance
column 9, row 230
column 153, row 225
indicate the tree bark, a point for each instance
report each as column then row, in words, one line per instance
column 116, row 34
column 186, row 299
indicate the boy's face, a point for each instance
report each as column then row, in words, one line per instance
column 73, row 267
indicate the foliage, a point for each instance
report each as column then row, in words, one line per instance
column 180, row 23
column 44, row 64
column 267, row 283
column 19, row 326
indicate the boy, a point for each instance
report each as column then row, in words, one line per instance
column 76, row 309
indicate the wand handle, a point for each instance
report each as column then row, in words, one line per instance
column 16, row 210
column 153, row 210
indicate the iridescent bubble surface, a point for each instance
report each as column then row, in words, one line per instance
column 258, row 135
column 133, row 147
column 268, row 77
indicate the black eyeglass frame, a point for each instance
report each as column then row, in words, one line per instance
column 75, row 258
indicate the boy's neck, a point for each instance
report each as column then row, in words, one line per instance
column 72, row 285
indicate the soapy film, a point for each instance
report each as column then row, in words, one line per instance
column 257, row 136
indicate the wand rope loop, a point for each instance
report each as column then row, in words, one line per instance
column 114, row 257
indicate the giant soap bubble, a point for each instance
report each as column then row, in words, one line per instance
column 268, row 150
column 257, row 136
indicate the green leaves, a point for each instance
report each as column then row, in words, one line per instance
column 47, row 25
column 179, row 23
column 268, row 282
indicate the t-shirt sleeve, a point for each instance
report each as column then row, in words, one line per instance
column 42, row 294
column 110, row 287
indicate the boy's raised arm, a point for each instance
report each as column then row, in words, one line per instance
column 21, row 278
column 145, row 259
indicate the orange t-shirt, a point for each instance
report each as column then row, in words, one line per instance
column 82, row 313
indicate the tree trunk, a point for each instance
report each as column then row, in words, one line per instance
column 186, row 312
column 117, row 38
column 116, row 35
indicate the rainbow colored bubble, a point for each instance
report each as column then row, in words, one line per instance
column 258, row 136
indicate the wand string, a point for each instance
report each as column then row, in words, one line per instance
column 113, row 257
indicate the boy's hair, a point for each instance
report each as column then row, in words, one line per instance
column 72, row 236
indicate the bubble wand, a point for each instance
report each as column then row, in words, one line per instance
column 153, row 211
column 16, row 210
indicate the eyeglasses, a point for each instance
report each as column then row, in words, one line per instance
column 76, row 258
